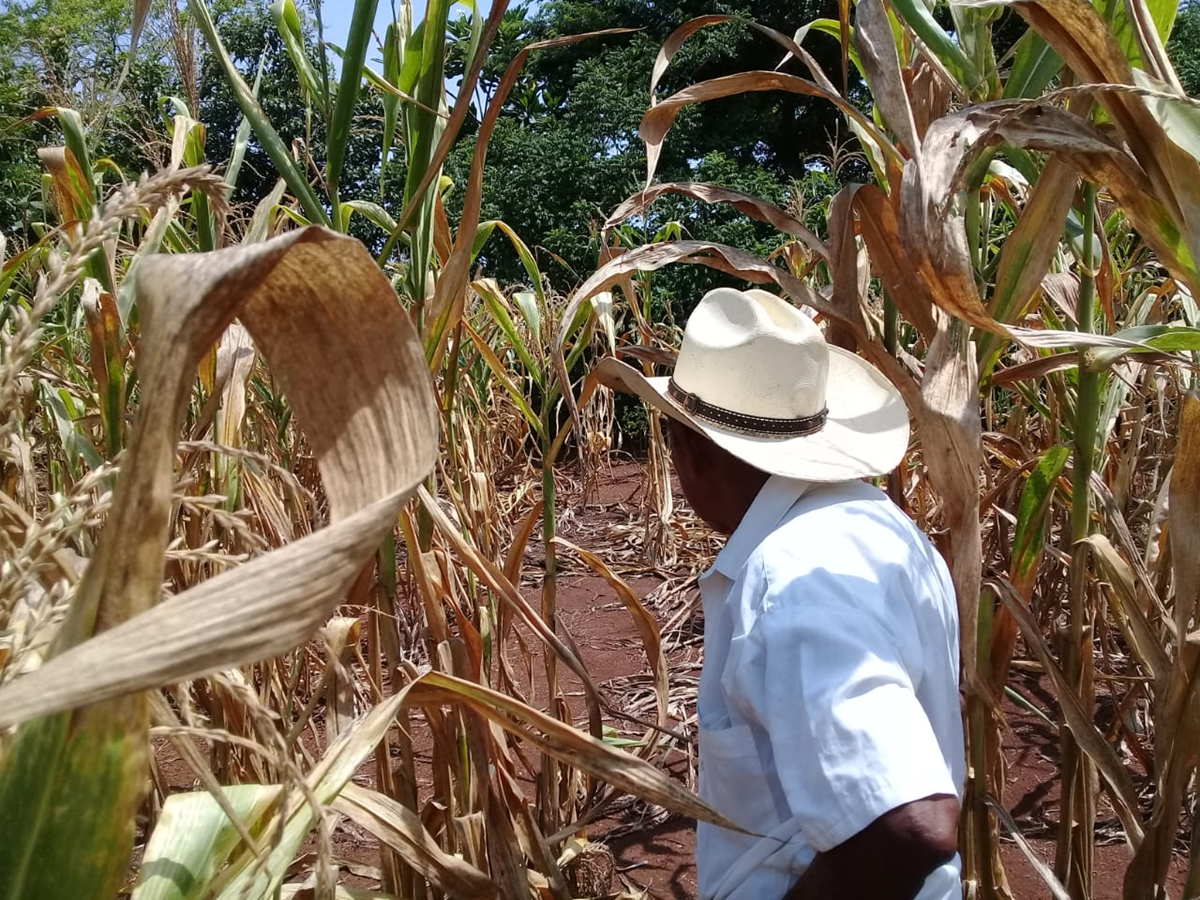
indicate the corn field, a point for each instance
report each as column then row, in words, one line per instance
column 267, row 498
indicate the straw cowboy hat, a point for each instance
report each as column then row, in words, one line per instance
column 755, row 376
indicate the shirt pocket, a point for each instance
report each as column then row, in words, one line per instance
column 732, row 778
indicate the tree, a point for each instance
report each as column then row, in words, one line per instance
column 567, row 149
column 1184, row 47
column 70, row 53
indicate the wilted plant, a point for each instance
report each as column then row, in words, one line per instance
column 963, row 290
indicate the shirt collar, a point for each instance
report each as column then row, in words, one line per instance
column 775, row 498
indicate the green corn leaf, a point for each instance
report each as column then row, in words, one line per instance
column 502, row 375
column 1161, row 12
column 242, row 139
column 189, row 149
column 249, row 876
column 71, row 123
column 347, row 95
column 482, row 233
column 1026, row 254
column 422, row 73
column 527, row 303
column 972, row 27
column 833, row 28
column 1178, row 116
column 287, row 21
column 1035, row 505
column 152, row 240
column 527, row 260
column 1161, row 338
column 193, row 839
column 477, row 21
column 272, row 143
column 497, row 307
column 78, row 448
column 944, row 47
column 393, row 50
column 1035, row 65
column 261, row 220
column 69, row 782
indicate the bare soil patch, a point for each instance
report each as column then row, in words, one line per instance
column 654, row 851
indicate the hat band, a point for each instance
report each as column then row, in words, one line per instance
column 761, row 426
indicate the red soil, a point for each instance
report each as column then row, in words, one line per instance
column 657, row 857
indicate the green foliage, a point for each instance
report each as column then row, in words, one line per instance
column 71, row 54
column 567, row 151
column 1184, row 48
column 250, row 36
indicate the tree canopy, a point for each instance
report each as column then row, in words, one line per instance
column 567, row 150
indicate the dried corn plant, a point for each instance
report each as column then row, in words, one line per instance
column 1034, row 469
column 311, row 617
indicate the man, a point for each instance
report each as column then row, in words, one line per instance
column 828, row 705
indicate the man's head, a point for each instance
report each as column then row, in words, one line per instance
column 755, row 377
column 717, row 485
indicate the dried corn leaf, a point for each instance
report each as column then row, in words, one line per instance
column 567, row 744
column 1120, row 785
column 401, row 829
column 451, row 293
column 1184, row 528
column 880, row 226
column 1028, row 249
column 949, row 424
column 658, row 120
column 343, row 349
column 877, row 49
column 710, row 193
column 736, row 262
column 932, row 223
column 646, row 624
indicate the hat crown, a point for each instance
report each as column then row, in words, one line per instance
column 753, row 353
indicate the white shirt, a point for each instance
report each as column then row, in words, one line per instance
column 829, row 693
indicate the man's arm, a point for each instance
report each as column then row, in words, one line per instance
column 889, row 859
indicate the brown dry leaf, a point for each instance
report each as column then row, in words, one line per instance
column 658, row 120
column 1096, row 157
column 650, row 257
column 646, row 624
column 401, row 829
column 736, row 262
column 1184, row 528
column 1078, row 33
column 843, row 251
column 905, row 287
column 877, row 48
column 1030, row 247
column 674, row 41
column 69, row 183
column 665, row 54
column 1127, row 609
column 492, row 575
column 932, row 224
column 345, row 354
column 1177, row 736
column 709, row 193
column 952, row 442
column 1062, row 289
column 1120, row 785
column 569, row 745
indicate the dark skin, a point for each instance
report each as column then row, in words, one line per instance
column 890, row 858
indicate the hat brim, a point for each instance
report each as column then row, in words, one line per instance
column 865, row 434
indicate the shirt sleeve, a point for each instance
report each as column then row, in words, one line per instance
column 849, row 738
